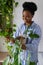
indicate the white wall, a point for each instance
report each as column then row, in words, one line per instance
column 38, row 18
column 3, row 47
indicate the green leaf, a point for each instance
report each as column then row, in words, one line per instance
column 16, row 59
column 5, row 34
column 34, row 35
column 1, row 34
column 6, row 61
column 16, row 3
column 14, row 25
column 14, row 30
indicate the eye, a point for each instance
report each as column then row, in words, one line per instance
column 23, row 16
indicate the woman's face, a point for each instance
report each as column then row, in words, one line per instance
column 27, row 17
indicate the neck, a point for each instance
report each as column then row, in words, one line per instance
column 28, row 24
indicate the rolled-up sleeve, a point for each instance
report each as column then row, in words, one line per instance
column 33, row 45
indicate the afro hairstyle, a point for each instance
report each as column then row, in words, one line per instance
column 30, row 6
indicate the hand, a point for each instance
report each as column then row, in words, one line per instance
column 8, row 39
column 20, row 37
column 23, row 47
column 12, row 40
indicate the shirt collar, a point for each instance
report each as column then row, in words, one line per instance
column 30, row 25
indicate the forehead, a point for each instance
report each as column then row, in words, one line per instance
column 27, row 13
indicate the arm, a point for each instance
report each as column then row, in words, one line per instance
column 16, row 34
column 35, row 42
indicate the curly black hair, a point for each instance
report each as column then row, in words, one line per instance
column 30, row 6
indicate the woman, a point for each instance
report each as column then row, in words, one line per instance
column 29, row 9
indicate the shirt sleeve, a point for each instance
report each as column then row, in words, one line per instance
column 18, row 31
column 35, row 42
column 15, row 34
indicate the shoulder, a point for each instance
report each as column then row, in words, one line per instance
column 37, row 29
column 22, row 26
column 37, row 26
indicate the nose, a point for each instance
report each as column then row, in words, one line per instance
column 24, row 18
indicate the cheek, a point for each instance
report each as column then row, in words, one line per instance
column 24, row 19
column 29, row 19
